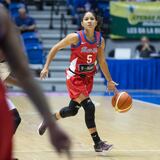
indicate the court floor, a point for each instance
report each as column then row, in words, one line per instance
column 135, row 134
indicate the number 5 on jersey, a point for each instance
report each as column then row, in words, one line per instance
column 89, row 58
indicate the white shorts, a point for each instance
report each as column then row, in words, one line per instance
column 4, row 70
column 10, row 104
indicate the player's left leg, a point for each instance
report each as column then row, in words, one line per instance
column 89, row 109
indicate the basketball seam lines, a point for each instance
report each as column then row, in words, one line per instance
column 124, row 101
column 119, row 110
column 118, row 100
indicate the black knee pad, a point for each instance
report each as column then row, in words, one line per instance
column 89, row 109
column 71, row 110
column 16, row 118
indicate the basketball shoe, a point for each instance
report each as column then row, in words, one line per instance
column 43, row 127
column 102, row 146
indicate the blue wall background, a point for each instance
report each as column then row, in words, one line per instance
column 135, row 73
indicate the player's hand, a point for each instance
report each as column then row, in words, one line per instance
column 44, row 73
column 59, row 139
column 111, row 86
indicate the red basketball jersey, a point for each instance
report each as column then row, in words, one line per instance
column 6, row 127
column 84, row 55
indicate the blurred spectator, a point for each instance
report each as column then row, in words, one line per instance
column 39, row 4
column 145, row 49
column 6, row 3
column 25, row 22
column 111, row 54
column 78, row 10
column 69, row 7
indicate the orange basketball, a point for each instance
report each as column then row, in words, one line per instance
column 122, row 102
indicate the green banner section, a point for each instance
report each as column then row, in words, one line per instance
column 134, row 20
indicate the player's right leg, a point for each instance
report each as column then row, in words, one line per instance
column 69, row 111
column 15, row 113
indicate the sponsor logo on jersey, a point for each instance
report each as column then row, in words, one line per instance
column 88, row 50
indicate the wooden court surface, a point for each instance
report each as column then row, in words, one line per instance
column 135, row 134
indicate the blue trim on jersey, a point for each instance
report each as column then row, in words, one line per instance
column 95, row 38
column 79, row 43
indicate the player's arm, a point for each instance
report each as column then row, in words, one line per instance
column 13, row 81
column 104, row 66
column 12, row 48
column 70, row 39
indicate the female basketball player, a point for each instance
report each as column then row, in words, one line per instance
column 13, row 52
column 87, row 47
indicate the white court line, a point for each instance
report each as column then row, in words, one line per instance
column 91, row 150
column 148, row 103
column 31, row 113
column 97, row 104
column 122, row 150
column 141, row 96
